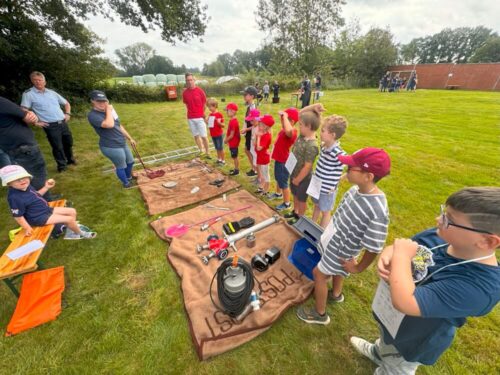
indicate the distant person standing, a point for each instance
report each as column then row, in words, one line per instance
column 317, row 84
column 47, row 104
column 276, row 92
column 195, row 100
column 305, row 90
column 412, row 83
column 266, row 90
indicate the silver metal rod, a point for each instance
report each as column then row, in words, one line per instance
column 263, row 224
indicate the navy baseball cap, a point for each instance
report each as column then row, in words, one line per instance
column 98, row 96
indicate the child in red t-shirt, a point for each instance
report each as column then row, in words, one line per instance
column 233, row 137
column 262, row 144
column 285, row 140
column 216, row 125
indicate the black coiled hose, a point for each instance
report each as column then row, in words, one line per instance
column 233, row 303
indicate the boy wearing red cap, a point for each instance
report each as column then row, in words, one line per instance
column 281, row 150
column 216, row 126
column 233, row 137
column 360, row 221
column 264, row 139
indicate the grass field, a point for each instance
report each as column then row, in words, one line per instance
column 125, row 313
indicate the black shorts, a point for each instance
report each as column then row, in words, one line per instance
column 300, row 191
column 234, row 152
column 248, row 140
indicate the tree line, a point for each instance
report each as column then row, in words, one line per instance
column 299, row 36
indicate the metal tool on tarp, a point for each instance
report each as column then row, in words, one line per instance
column 178, row 230
column 207, row 225
column 212, row 207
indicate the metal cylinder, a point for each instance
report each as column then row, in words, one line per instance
column 251, row 240
column 232, row 238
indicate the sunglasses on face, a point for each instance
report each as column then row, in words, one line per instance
column 446, row 222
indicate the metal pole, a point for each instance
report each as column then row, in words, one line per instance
column 239, row 235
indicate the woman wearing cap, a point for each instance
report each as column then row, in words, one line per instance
column 112, row 134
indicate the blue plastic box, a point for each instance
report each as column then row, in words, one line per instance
column 305, row 255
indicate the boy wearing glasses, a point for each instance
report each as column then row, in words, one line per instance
column 360, row 221
column 462, row 279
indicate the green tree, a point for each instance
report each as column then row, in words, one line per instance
column 374, row 52
column 489, row 52
column 449, row 45
column 298, row 27
column 214, row 69
column 133, row 58
column 160, row 64
column 48, row 35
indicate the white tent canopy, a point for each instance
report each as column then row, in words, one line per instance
column 225, row 79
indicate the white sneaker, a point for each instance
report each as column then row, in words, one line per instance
column 365, row 348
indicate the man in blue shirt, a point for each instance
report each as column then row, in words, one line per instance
column 47, row 104
column 431, row 293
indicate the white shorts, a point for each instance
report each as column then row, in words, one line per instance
column 198, row 127
column 264, row 172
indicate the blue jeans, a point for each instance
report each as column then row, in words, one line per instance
column 120, row 157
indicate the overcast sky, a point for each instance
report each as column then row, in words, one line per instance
column 233, row 25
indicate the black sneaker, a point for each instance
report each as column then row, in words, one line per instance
column 234, row 172
column 291, row 215
column 251, row 173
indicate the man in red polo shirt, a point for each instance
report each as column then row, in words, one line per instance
column 195, row 99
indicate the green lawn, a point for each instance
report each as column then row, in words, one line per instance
column 125, row 312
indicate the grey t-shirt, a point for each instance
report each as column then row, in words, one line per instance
column 360, row 221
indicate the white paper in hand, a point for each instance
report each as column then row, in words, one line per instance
column 327, row 235
column 314, row 189
column 291, row 162
column 26, row 249
column 211, row 121
column 385, row 311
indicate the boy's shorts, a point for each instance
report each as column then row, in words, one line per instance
column 234, row 152
column 41, row 220
column 198, row 127
column 281, row 175
column 325, row 201
column 248, row 140
column 218, row 142
column 264, row 172
column 299, row 192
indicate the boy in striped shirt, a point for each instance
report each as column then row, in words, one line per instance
column 329, row 168
column 360, row 221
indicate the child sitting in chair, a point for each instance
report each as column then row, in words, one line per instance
column 30, row 209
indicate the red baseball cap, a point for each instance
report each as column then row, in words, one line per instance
column 267, row 120
column 252, row 115
column 369, row 159
column 293, row 113
column 231, row 106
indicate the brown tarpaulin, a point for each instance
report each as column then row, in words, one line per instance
column 187, row 175
column 283, row 285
